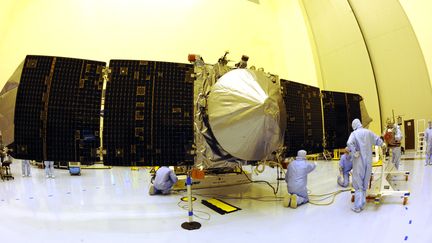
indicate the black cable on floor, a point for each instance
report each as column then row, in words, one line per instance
column 275, row 190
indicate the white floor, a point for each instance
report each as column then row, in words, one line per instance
column 114, row 206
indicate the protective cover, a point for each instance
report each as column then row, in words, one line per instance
column 366, row 119
column 7, row 106
column 209, row 154
column 247, row 114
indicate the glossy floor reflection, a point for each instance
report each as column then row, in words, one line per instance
column 114, row 206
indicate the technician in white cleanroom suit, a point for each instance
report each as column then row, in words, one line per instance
column 360, row 144
column 296, row 179
column 428, row 139
column 396, row 151
column 163, row 182
column 393, row 136
column 25, row 167
column 49, row 168
column 345, row 166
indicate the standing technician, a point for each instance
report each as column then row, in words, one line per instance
column 360, row 144
column 25, row 167
column 49, row 168
column 396, row 150
column 428, row 139
column 393, row 137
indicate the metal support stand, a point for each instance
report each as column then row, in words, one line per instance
column 384, row 187
column 190, row 225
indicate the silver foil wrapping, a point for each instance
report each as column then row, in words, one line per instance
column 247, row 114
column 7, row 105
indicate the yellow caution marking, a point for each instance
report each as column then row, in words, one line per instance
column 220, row 206
column 378, row 163
column 185, row 199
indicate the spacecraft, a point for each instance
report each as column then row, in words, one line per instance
column 162, row 113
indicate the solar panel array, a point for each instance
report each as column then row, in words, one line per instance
column 148, row 113
column 339, row 111
column 304, row 128
column 57, row 109
column 148, row 116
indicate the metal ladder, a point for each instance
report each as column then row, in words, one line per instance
column 420, row 137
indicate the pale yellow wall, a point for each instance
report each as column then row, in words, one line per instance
column 400, row 68
column 397, row 59
column 419, row 14
column 272, row 33
column 341, row 53
column 5, row 17
column 165, row 30
column 297, row 63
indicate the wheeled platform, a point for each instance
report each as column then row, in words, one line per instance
column 213, row 180
column 382, row 187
